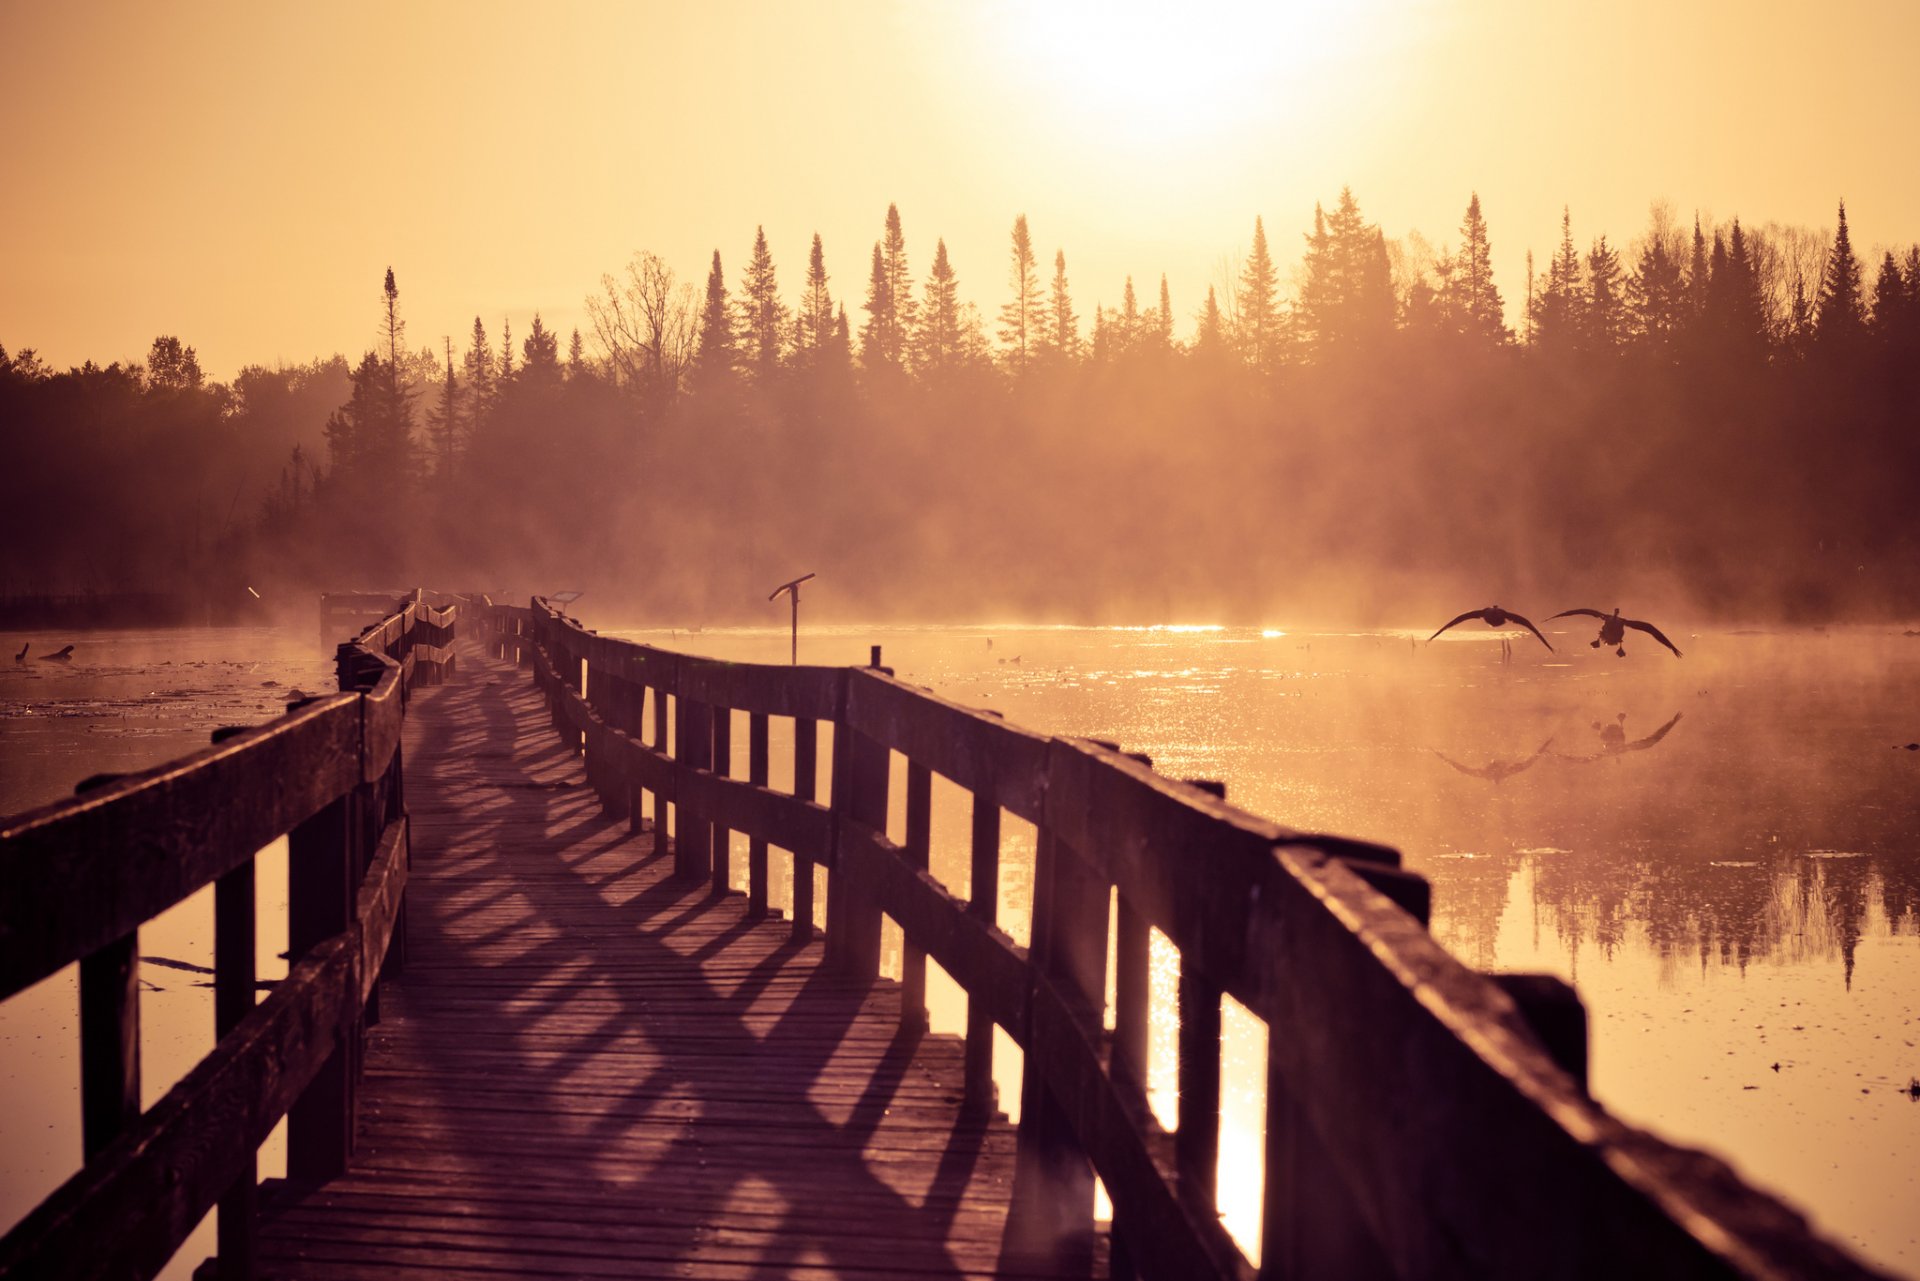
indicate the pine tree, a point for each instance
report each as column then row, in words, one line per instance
column 1061, row 336
column 506, row 356
column 716, row 357
column 1210, row 339
column 1656, row 300
column 576, row 356
column 1472, row 300
column 1163, row 319
column 937, row 339
column 1315, row 312
column 445, row 422
column 875, row 353
column 1557, row 318
column 1257, row 306
column 542, row 353
column 763, row 317
column 1020, row 318
column 394, row 420
column 1127, row 334
column 1888, row 317
column 477, row 364
column 1605, row 313
column 1699, row 277
column 901, row 316
column 815, row 321
column 1837, row 317
column 1743, row 319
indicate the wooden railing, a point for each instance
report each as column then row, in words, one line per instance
column 1422, row 1120
column 80, row 878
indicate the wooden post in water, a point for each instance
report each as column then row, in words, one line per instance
column 984, row 905
column 320, row 1124
column 234, row 940
column 913, row 960
column 757, row 846
column 806, row 775
column 109, row 1032
column 860, row 782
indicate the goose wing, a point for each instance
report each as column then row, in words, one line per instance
column 1652, row 631
column 1472, row 613
column 1567, row 612
column 1530, row 627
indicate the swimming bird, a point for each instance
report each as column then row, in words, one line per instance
column 21, row 657
column 1494, row 616
column 1613, row 629
column 58, row 656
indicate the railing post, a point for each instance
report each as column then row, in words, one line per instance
column 693, row 844
column 319, row 898
column 806, row 774
column 660, row 821
column 109, row 1033
column 722, row 865
column 913, row 960
column 860, row 797
column 984, row 882
column 1052, row 1215
column 233, row 994
column 757, row 847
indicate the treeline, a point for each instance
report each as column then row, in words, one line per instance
column 1724, row 413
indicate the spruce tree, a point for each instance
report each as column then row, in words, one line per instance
column 816, row 322
column 445, row 420
column 1557, row 319
column 1257, row 306
column 901, row 316
column 506, row 357
column 1605, row 312
column 477, row 364
column 576, row 355
column 1656, row 300
column 1062, row 330
column 716, row 357
column 1472, row 299
column 1837, row 316
column 1163, row 319
column 1888, row 316
column 937, row 338
column 1020, row 318
column 1127, row 334
column 763, row 317
column 1699, row 277
column 875, row 352
column 542, row 353
column 1210, row 340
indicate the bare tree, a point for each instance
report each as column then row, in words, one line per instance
column 1786, row 257
column 644, row 326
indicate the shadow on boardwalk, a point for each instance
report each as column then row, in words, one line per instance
column 592, row 1070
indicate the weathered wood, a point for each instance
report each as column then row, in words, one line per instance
column 806, row 772
column 319, row 892
column 980, row 752
column 860, row 783
column 234, row 945
column 915, row 853
column 1197, row 1134
column 1132, row 996
column 660, row 799
column 1556, row 1015
column 757, row 751
column 109, row 1043
column 722, row 767
column 693, row 833
column 811, row 692
column 84, row 872
column 983, row 905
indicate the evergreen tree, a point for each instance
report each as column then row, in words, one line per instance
column 1656, row 300
column 1257, row 306
column 1210, row 337
column 1163, row 319
column 576, row 355
column 816, row 319
column 901, row 316
column 763, row 317
column 1698, row 276
column 1472, row 300
column 937, row 338
column 477, row 364
column 1020, row 318
column 506, row 356
column 1347, row 298
column 1837, row 315
column 1061, row 334
column 716, row 356
column 1314, row 313
column 542, row 355
column 1557, row 318
column 1605, row 313
column 1888, row 317
column 1743, row 314
column 1127, row 333
column 874, row 350
column 444, row 422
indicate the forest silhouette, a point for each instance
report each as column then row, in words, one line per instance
column 1720, row 415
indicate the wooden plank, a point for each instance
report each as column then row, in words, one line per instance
column 86, row 871
column 975, row 749
column 772, row 690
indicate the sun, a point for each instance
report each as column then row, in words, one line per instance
column 1193, row 71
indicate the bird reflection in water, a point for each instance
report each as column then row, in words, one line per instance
column 1497, row 771
column 1613, row 739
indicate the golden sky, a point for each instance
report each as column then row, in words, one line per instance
column 241, row 175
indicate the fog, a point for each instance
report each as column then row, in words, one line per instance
column 1705, row 423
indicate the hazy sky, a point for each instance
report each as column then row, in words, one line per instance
column 241, row 175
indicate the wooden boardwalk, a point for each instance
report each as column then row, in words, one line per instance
column 590, row 1069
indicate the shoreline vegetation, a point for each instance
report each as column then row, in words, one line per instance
column 1719, row 415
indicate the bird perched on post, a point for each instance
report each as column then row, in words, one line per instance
column 1613, row 630
column 1494, row 616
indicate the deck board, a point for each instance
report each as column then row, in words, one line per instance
column 591, row 1070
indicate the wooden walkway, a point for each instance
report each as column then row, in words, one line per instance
column 591, row 1070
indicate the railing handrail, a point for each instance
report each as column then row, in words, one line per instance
column 1393, row 1067
column 84, row 874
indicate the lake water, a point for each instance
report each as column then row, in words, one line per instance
column 1721, row 850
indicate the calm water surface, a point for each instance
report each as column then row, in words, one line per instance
column 1723, row 851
